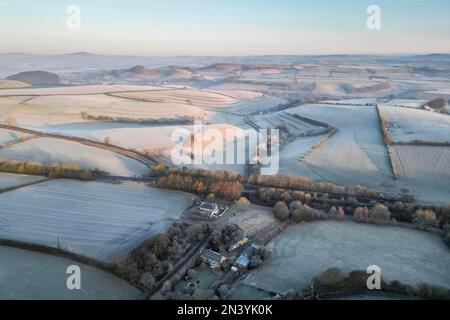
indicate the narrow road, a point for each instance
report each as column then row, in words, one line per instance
column 147, row 160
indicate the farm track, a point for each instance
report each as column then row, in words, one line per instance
column 147, row 160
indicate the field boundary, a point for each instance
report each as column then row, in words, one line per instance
column 9, row 189
column 387, row 142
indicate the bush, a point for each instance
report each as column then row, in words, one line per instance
column 426, row 218
column 331, row 278
column 379, row 214
column 243, row 203
column 303, row 214
column 281, row 211
column 361, row 214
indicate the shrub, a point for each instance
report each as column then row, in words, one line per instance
column 379, row 214
column 330, row 279
column 426, row 218
column 361, row 214
column 303, row 214
column 281, row 211
column 243, row 203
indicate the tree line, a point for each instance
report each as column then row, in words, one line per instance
column 304, row 183
column 221, row 184
column 54, row 171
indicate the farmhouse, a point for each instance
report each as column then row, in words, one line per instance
column 210, row 209
column 244, row 259
column 213, row 258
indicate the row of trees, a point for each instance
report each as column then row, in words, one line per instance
column 335, row 280
column 149, row 121
column 384, row 130
column 299, row 212
column 162, row 170
column 55, row 171
column 222, row 184
column 304, row 183
column 379, row 214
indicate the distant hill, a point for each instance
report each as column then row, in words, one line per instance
column 36, row 78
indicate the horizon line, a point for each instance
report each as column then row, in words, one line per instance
column 218, row 56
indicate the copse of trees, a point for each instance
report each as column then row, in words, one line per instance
column 56, row 171
column 222, row 238
column 299, row 212
column 222, row 184
column 156, row 256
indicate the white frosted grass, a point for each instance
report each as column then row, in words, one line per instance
column 407, row 125
column 405, row 103
column 8, row 136
column 302, row 252
column 83, row 89
column 356, row 153
column 50, row 151
column 28, row 275
column 99, row 220
column 290, row 154
column 9, row 180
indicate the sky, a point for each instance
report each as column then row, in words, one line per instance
column 224, row 27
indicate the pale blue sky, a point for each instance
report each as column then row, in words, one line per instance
column 225, row 27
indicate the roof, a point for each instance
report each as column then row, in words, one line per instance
column 249, row 251
column 208, row 206
column 211, row 255
column 243, row 261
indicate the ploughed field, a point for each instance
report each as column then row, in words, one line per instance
column 355, row 154
column 302, row 252
column 99, row 220
column 424, row 170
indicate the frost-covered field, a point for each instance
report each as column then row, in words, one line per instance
column 424, row 170
column 278, row 119
column 254, row 219
column 407, row 125
column 358, row 102
column 9, row 180
column 60, row 109
column 190, row 96
column 85, row 89
column 9, row 104
column 99, row 220
column 256, row 105
column 290, row 154
column 49, row 151
column 31, row 275
column 405, row 103
column 302, row 252
column 8, row 136
column 8, row 84
column 356, row 153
